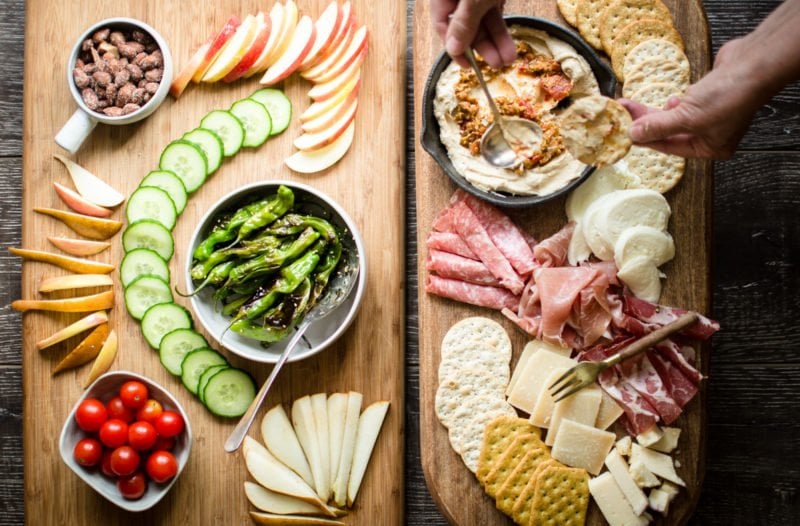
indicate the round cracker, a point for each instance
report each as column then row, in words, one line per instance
column 653, row 71
column 623, row 12
column 653, row 48
column 635, row 33
column 477, row 330
column 595, row 130
column 655, row 94
column 568, row 8
column 587, row 14
column 454, row 390
column 476, row 356
column 657, row 171
column 466, row 433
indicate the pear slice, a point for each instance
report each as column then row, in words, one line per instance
column 269, row 501
column 95, row 228
column 85, row 351
column 281, row 440
column 319, row 406
column 101, row 301
column 348, row 447
column 337, row 409
column 90, row 186
column 78, row 247
column 75, row 281
column 291, row 520
column 104, row 359
column 84, row 324
column 306, row 428
column 79, row 265
column 369, row 426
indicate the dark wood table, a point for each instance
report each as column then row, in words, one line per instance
column 753, row 467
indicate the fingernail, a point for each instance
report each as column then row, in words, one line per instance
column 451, row 45
column 637, row 132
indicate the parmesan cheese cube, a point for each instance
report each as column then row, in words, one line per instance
column 619, row 469
column 624, row 446
column 643, row 477
column 543, row 412
column 649, row 437
column 608, row 413
column 661, row 497
column 612, row 503
column 659, row 463
column 581, row 446
column 580, row 407
column 668, row 441
column 531, row 380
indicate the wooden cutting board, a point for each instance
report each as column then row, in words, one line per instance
column 368, row 183
column 454, row 488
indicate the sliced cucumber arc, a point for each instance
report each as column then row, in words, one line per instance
column 255, row 120
column 278, row 105
column 227, row 128
column 140, row 262
column 150, row 202
column 229, row 392
column 195, row 363
column 144, row 292
column 175, row 345
column 187, row 161
column 205, row 377
column 210, row 143
column 147, row 233
column 161, row 319
column 170, row 183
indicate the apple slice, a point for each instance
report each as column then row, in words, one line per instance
column 319, row 406
column 314, row 141
column 326, row 26
column 302, row 40
column 318, row 160
column 348, row 93
column 217, row 43
column 76, row 202
column 323, row 122
column 104, row 358
column 277, row 19
column 268, row 500
column 185, row 75
column 263, row 31
column 281, row 440
column 84, row 324
column 331, row 88
column 234, row 50
column 333, row 55
column 348, row 447
column 271, row 519
column 90, row 186
column 344, row 29
column 354, row 52
column 78, row 247
column 337, row 410
column 306, row 429
column 290, row 16
column 369, row 426
column 273, row 475
column 75, row 281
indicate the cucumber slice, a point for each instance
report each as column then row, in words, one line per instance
column 255, row 119
column 170, row 183
column 139, row 262
column 187, row 161
column 147, row 233
column 205, row 377
column 278, row 105
column 149, row 202
column 227, row 128
column 229, row 392
column 176, row 345
column 195, row 363
column 162, row 319
column 144, row 292
column 211, row 145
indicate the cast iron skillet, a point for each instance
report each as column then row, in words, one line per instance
column 430, row 126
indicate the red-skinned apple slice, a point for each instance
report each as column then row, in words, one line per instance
column 326, row 26
column 277, row 19
column 345, row 28
column 84, row 324
column 326, row 90
column 79, row 247
column 302, row 41
column 348, row 93
column 185, row 75
column 314, row 141
column 233, row 51
column 353, row 53
column 290, row 14
column 263, row 31
column 217, row 43
column 318, row 160
column 325, row 120
column 79, row 204
column 335, row 54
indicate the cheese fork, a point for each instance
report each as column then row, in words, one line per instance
column 585, row 373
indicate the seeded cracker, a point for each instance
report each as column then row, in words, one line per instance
column 588, row 13
column 521, row 512
column 655, row 94
column 623, row 12
column 454, row 390
column 561, row 497
column 656, row 70
column 653, row 48
column 595, row 130
column 506, row 463
column 567, row 9
column 497, row 436
column 657, row 171
column 633, row 34
column 469, row 421
column 512, row 488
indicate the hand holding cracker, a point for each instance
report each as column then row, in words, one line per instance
column 595, row 130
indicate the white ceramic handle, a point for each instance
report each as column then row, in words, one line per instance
column 75, row 131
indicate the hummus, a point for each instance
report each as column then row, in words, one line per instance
column 546, row 71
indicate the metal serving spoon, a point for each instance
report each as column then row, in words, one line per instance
column 507, row 137
column 342, row 282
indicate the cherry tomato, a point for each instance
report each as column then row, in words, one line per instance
column 91, row 415
column 142, row 435
column 133, row 486
column 133, row 394
column 114, row 433
column 88, row 452
column 164, row 443
column 149, row 411
column 124, row 461
column 105, row 464
column 116, row 409
column 169, row 424
column 162, row 466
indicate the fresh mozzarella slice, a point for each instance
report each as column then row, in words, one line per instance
column 646, row 241
column 603, row 181
column 593, row 233
column 642, row 277
column 578, row 249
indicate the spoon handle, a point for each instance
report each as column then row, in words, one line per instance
column 472, row 62
column 237, row 436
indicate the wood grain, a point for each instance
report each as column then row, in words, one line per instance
column 455, row 490
column 368, row 183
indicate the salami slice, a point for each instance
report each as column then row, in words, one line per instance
column 481, row 295
column 450, row 242
column 453, row 266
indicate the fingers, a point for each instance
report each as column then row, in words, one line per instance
column 464, row 26
column 487, row 50
column 440, row 11
column 659, row 125
column 497, row 31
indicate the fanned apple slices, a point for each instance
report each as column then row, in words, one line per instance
column 320, row 456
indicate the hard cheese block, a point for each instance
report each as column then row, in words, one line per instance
column 582, row 446
column 608, row 413
column 619, row 469
column 612, row 502
column 581, row 407
column 537, row 369
column 545, row 404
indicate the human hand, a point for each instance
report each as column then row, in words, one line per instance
column 478, row 23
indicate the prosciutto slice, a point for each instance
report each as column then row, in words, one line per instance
column 642, row 376
column 558, row 289
column 552, row 252
column 680, row 388
column 452, row 266
column 673, row 352
column 481, row 295
column 651, row 316
column 450, row 242
column 640, row 416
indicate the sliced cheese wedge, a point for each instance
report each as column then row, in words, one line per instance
column 612, row 503
column 658, row 463
column 581, row 446
column 532, row 378
column 543, row 412
column 642, row 278
column 608, row 413
column 668, row 441
column 581, row 407
column 633, row 493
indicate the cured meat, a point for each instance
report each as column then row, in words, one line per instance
column 640, row 416
column 593, row 314
column 652, row 316
column 680, row 388
column 452, row 266
column 443, row 222
column 552, row 252
column 672, row 352
column 642, row 376
column 558, row 289
column 481, row 295
column 530, row 325
column 450, row 242
column 477, row 239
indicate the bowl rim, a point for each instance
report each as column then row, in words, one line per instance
column 66, row 450
column 258, row 354
column 429, row 134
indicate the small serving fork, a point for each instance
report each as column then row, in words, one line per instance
column 585, row 373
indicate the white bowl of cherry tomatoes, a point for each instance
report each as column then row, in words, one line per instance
column 128, row 438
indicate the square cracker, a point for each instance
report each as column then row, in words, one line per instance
column 521, row 511
column 497, row 436
column 505, row 464
column 561, row 496
column 512, row 488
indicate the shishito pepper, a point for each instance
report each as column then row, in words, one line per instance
column 280, row 319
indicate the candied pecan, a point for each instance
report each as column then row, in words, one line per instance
column 82, row 80
column 102, row 78
column 101, row 35
column 154, row 75
column 151, row 47
column 101, row 104
column 147, row 97
column 151, row 87
column 116, row 38
column 122, row 77
column 130, row 108
column 113, row 111
column 124, row 94
column 90, row 98
column 153, row 60
column 140, row 36
column 142, row 83
column 136, row 72
column 90, row 68
column 137, row 97
column 113, row 66
column 79, row 63
column 139, row 58
column 130, row 49
column 111, row 94
column 87, row 44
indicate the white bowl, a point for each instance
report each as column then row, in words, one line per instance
column 320, row 334
column 104, row 388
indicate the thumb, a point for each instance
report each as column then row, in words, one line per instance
column 659, row 125
column 464, row 27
